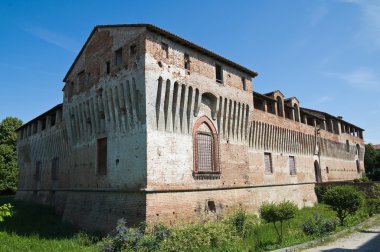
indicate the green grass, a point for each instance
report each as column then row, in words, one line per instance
column 36, row 228
column 263, row 237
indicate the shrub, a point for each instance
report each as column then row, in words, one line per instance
column 373, row 200
column 318, row 226
column 278, row 212
column 201, row 237
column 344, row 200
column 320, row 192
column 238, row 220
column 5, row 211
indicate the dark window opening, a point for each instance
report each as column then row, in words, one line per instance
column 279, row 106
column 108, row 67
column 52, row 119
column 54, row 168
column 37, row 175
column 358, row 166
column 211, row 206
column 133, row 50
column 165, row 49
column 218, row 73
column 347, row 146
column 271, row 107
column 119, row 57
column 259, row 104
column 310, row 121
column 292, row 165
column 43, row 124
column 327, row 169
column 102, row 156
column 296, row 112
column 186, row 59
column 268, row 163
column 81, row 78
column 243, row 80
column 34, row 128
column 288, row 113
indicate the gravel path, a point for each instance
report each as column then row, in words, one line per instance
column 363, row 240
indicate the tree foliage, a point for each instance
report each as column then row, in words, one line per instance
column 8, row 156
column 278, row 213
column 344, row 200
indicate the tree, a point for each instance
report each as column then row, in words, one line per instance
column 278, row 212
column 344, row 200
column 8, row 155
column 370, row 157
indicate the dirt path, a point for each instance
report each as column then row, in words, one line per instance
column 367, row 239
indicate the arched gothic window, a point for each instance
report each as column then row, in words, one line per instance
column 279, row 106
column 206, row 147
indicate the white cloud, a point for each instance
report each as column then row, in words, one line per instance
column 370, row 11
column 53, row 38
column 363, row 78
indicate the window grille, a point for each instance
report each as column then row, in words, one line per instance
column 268, row 163
column 292, row 165
column 205, row 151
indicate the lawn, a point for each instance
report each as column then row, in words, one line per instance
column 36, row 228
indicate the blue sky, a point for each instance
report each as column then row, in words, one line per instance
column 324, row 52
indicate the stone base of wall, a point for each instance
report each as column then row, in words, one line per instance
column 174, row 208
column 93, row 211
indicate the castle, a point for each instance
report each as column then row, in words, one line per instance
column 155, row 128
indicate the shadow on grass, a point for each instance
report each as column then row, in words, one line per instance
column 34, row 219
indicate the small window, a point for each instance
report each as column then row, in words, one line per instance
column 243, row 80
column 165, row 49
column 54, row 168
column 347, row 146
column 43, row 124
column 102, row 156
column 52, row 119
column 88, row 79
column 186, row 59
column 119, row 57
column 268, row 163
column 81, row 78
column 108, row 68
column 292, row 165
column 218, row 73
column 38, row 172
column 133, row 50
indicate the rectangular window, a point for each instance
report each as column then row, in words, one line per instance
column 218, row 73
column 133, row 50
column 244, row 83
column 268, row 163
column 186, row 59
column 43, row 124
column 52, row 119
column 38, row 171
column 81, row 78
column 165, row 49
column 54, row 168
column 108, row 68
column 119, row 57
column 102, row 156
column 292, row 165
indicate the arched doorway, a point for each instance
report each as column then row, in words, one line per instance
column 317, row 171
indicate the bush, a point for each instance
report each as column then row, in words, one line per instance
column 201, row 237
column 373, row 200
column 5, row 211
column 344, row 200
column 320, row 192
column 278, row 212
column 318, row 226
